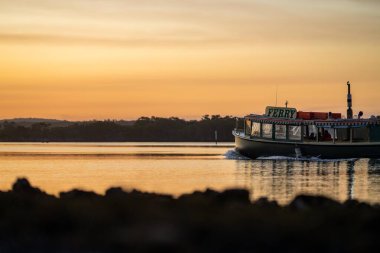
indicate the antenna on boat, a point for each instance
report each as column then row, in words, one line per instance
column 349, row 101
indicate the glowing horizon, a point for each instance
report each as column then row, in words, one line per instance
column 122, row 59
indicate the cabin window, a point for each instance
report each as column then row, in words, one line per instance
column 255, row 129
column 310, row 132
column 360, row 134
column 267, row 130
column 375, row 133
column 247, row 127
column 342, row 134
column 295, row 133
column 280, row 132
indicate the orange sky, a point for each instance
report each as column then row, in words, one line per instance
column 97, row 59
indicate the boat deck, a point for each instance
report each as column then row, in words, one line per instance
column 241, row 134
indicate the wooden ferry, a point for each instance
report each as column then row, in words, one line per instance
column 284, row 131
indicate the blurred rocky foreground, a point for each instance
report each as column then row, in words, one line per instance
column 79, row 221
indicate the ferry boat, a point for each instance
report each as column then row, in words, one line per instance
column 284, row 131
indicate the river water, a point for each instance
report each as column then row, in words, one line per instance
column 177, row 168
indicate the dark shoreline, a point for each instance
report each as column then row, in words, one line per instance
column 144, row 129
column 210, row 221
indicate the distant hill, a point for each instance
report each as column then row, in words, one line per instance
column 27, row 122
column 32, row 120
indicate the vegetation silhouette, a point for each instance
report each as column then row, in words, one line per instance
column 133, row 221
column 144, row 129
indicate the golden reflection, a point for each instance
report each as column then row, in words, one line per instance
column 283, row 180
column 178, row 168
column 165, row 168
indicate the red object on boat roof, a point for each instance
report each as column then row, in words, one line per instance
column 317, row 115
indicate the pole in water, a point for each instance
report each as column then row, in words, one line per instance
column 216, row 137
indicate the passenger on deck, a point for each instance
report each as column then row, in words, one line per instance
column 312, row 136
column 327, row 136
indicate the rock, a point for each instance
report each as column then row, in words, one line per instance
column 213, row 197
column 351, row 203
column 22, row 186
column 199, row 198
column 235, row 195
column 115, row 191
column 265, row 203
column 75, row 194
column 305, row 202
column 208, row 221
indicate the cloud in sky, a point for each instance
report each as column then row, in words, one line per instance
column 187, row 21
column 143, row 54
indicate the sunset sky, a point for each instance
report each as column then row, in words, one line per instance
column 121, row 59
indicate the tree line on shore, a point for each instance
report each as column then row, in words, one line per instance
column 143, row 129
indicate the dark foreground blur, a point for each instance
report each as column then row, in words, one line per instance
column 78, row 221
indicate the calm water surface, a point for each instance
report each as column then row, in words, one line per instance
column 177, row 168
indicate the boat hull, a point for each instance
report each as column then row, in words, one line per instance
column 254, row 148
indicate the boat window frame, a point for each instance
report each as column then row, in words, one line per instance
column 300, row 133
column 246, row 132
column 364, row 133
column 259, row 129
column 271, row 131
column 373, row 137
column 275, row 132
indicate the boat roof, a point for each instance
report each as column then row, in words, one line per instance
column 336, row 123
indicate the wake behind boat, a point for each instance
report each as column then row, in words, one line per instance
column 284, row 131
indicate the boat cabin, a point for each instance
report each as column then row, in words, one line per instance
column 289, row 125
column 284, row 131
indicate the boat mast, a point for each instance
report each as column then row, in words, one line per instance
column 349, row 101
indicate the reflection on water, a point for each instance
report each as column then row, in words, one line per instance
column 177, row 168
column 282, row 180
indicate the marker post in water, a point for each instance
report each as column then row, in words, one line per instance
column 216, row 137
